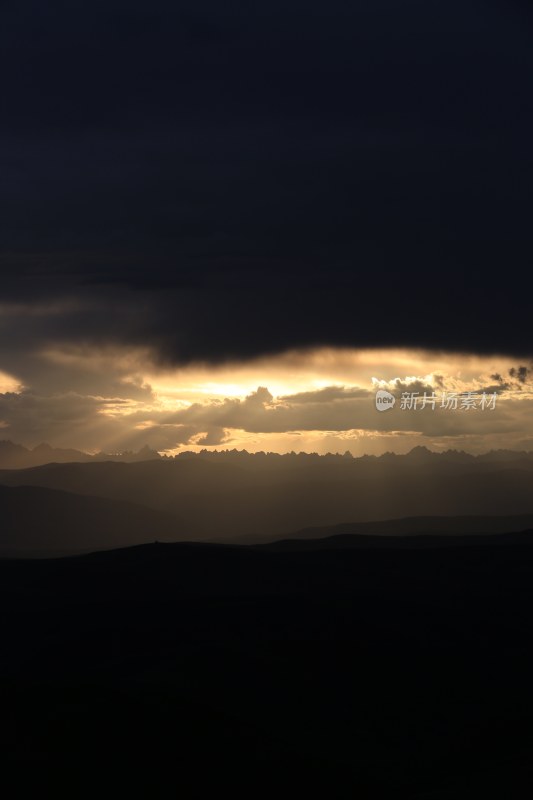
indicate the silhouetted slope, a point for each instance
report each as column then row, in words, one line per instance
column 43, row 521
column 407, row 527
column 170, row 670
column 416, row 541
column 225, row 499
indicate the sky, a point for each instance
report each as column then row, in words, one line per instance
column 227, row 225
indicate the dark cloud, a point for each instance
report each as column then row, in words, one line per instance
column 215, row 436
column 258, row 414
column 222, row 180
column 519, row 374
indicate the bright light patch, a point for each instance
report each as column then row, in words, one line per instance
column 9, row 384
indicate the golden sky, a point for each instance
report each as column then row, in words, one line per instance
column 319, row 400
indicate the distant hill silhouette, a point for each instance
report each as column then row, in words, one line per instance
column 227, row 496
column 15, row 456
column 412, row 528
column 37, row 521
column 418, row 541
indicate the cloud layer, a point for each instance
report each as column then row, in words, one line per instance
column 322, row 400
column 219, row 184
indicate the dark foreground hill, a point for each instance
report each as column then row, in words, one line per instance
column 179, row 670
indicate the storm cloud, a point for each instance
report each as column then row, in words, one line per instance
column 216, row 182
